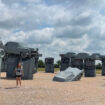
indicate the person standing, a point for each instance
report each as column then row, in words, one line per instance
column 19, row 73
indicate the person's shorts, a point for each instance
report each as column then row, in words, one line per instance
column 18, row 75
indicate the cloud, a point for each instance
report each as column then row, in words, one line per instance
column 10, row 2
column 43, row 36
column 54, row 26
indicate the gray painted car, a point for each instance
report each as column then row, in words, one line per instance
column 70, row 74
column 19, row 49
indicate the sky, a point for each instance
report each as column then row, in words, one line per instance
column 55, row 26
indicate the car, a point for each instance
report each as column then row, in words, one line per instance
column 16, row 48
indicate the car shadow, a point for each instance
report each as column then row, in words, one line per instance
column 7, row 78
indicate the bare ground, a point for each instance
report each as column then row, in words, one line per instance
column 43, row 91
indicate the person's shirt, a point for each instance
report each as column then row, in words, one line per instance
column 19, row 71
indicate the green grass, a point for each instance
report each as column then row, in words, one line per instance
column 98, row 71
column 43, row 69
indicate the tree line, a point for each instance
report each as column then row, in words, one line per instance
column 41, row 64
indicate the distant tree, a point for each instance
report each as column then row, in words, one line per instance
column 98, row 66
column 59, row 62
column 57, row 65
column 41, row 63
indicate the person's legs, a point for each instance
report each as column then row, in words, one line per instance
column 20, row 80
column 16, row 81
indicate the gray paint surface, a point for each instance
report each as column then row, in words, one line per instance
column 36, row 64
column 71, row 59
column 28, row 68
column 49, row 65
column 19, row 49
column 1, row 56
column 89, row 68
column 66, row 60
column 11, row 64
column 96, row 56
column 79, row 60
column 65, row 63
column 103, row 65
column 78, row 63
column 70, row 74
column 82, row 56
column 17, row 52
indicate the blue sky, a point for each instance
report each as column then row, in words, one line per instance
column 55, row 26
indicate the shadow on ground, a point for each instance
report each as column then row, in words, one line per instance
column 7, row 78
column 11, row 87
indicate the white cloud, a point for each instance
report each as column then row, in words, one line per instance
column 55, row 26
column 43, row 36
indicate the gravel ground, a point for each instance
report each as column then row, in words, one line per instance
column 43, row 91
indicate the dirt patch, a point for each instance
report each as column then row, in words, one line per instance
column 43, row 91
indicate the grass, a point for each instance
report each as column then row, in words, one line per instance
column 98, row 71
column 43, row 69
